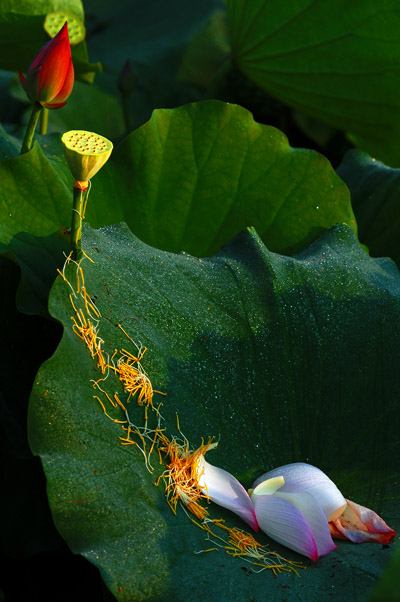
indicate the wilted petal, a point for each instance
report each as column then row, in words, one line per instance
column 223, row 489
column 360, row 524
column 282, row 521
column 301, row 477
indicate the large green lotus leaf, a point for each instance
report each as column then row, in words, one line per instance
column 333, row 60
column 280, row 358
column 22, row 34
column 196, row 175
column 375, row 194
column 188, row 180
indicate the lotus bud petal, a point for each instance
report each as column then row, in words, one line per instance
column 50, row 76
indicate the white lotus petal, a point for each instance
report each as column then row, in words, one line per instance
column 282, row 521
column 315, row 517
column 223, row 489
column 301, row 477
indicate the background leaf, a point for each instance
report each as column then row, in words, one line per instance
column 281, row 358
column 375, row 195
column 333, row 60
column 155, row 36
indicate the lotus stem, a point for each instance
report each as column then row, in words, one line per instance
column 44, row 120
column 76, row 224
column 30, row 128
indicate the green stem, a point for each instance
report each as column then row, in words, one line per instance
column 76, row 224
column 30, row 128
column 44, row 120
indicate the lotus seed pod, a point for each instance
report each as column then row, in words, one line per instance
column 86, row 153
column 76, row 29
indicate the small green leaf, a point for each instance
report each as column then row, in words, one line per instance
column 281, row 358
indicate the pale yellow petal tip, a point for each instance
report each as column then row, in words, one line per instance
column 76, row 29
column 268, row 487
column 86, row 153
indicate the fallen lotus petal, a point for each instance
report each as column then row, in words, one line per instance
column 305, row 477
column 360, row 524
column 295, row 520
column 345, row 519
column 225, row 490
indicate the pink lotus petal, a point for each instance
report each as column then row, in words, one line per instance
column 315, row 517
column 226, row 491
column 360, row 524
column 301, row 477
column 284, row 523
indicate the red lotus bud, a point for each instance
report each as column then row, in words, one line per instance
column 50, row 76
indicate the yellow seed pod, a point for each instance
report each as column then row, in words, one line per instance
column 76, row 29
column 86, row 153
